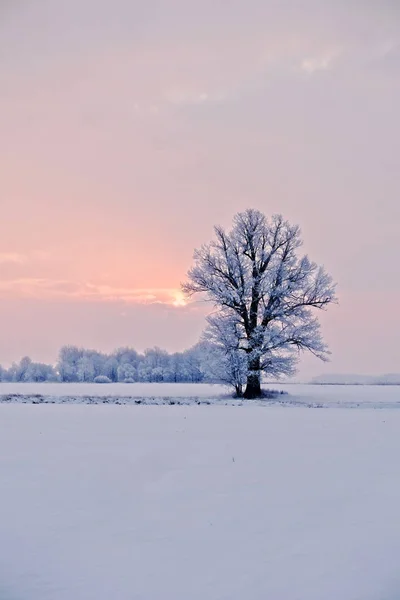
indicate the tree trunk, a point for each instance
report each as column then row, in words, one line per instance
column 253, row 385
column 239, row 390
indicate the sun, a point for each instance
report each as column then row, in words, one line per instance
column 179, row 299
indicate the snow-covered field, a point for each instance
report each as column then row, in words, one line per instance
column 202, row 390
column 199, row 503
column 353, row 396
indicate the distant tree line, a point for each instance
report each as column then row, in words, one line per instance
column 75, row 364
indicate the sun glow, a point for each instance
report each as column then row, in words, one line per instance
column 179, row 299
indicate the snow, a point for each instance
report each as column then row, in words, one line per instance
column 216, row 503
column 297, row 394
column 202, row 390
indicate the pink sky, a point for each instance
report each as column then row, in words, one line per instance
column 128, row 129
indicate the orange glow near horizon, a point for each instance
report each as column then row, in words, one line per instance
column 53, row 289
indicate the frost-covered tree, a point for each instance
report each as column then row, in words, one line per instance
column 155, row 365
column 110, row 368
column 264, row 291
column 86, row 371
column 193, row 364
column 127, row 373
column 68, row 363
column 27, row 370
column 177, row 367
column 39, row 372
column 19, row 371
column 127, row 355
column 127, row 360
column 223, row 360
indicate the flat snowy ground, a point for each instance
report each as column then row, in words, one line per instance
column 198, row 503
column 298, row 394
column 115, row 389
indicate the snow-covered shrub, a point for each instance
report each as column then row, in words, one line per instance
column 102, row 379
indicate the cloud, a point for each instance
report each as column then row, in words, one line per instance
column 181, row 96
column 11, row 258
column 388, row 47
column 49, row 289
column 18, row 258
column 324, row 62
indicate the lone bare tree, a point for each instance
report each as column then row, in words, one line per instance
column 264, row 294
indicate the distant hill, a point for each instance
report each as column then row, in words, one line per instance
column 352, row 379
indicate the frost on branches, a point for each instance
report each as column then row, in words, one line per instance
column 264, row 294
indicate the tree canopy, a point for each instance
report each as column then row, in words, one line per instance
column 264, row 293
